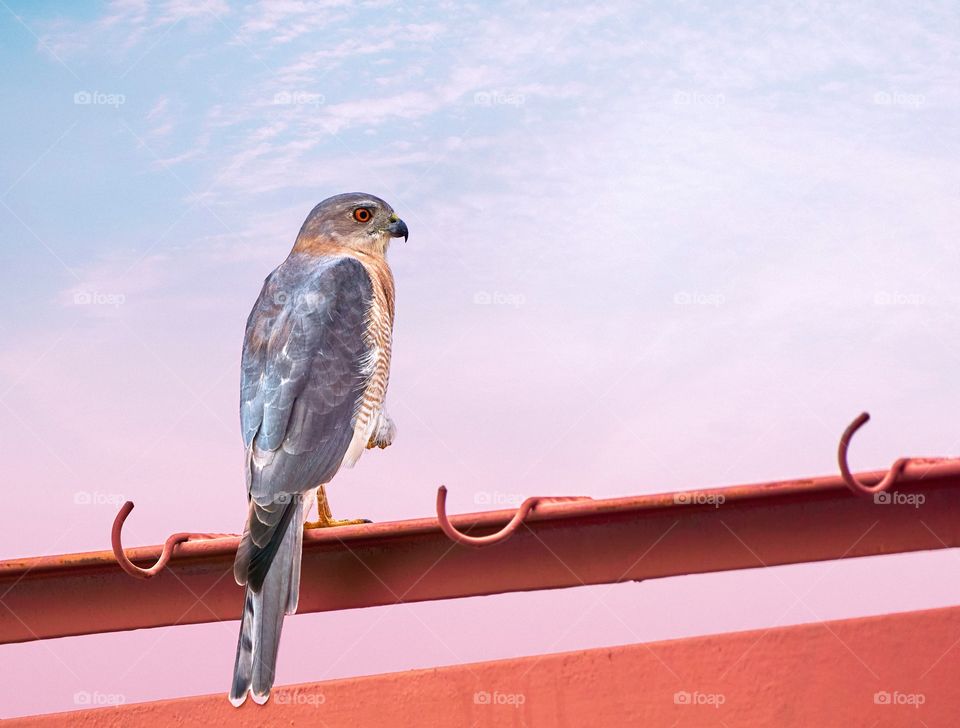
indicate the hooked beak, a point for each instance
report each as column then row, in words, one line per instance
column 398, row 228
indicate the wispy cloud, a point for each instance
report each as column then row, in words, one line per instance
column 128, row 25
column 286, row 20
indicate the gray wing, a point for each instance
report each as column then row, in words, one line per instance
column 303, row 376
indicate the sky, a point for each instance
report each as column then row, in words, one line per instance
column 653, row 247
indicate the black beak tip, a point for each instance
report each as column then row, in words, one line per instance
column 398, row 229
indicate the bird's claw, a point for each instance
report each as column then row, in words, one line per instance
column 384, row 433
column 335, row 522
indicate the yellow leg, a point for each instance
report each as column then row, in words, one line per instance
column 325, row 519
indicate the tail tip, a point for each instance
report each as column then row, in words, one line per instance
column 259, row 698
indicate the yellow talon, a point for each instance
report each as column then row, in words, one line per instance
column 325, row 519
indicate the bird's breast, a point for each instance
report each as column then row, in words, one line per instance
column 379, row 337
column 376, row 367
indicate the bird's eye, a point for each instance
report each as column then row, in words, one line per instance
column 362, row 214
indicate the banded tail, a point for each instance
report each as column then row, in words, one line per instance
column 271, row 573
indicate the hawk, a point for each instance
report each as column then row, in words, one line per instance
column 316, row 361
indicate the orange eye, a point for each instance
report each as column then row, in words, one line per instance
column 362, row 214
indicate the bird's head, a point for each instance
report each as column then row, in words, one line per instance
column 353, row 220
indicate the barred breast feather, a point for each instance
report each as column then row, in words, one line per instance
column 379, row 337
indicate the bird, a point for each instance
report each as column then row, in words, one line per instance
column 314, row 372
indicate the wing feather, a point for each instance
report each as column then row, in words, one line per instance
column 303, row 374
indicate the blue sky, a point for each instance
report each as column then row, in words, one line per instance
column 653, row 246
column 638, row 122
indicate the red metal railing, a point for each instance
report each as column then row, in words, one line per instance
column 561, row 544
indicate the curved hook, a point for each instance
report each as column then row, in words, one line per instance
column 849, row 478
column 502, row 535
column 125, row 563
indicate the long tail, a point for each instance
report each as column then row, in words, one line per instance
column 272, row 575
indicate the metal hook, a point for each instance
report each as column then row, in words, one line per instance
column 125, row 563
column 504, row 533
column 849, row 478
